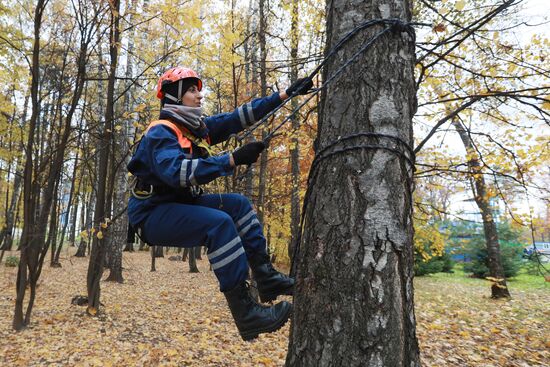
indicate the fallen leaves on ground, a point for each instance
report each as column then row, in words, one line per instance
column 460, row 325
column 175, row 318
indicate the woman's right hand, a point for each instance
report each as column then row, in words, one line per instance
column 247, row 154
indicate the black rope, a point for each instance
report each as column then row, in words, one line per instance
column 397, row 139
column 326, row 83
column 395, row 25
column 401, row 149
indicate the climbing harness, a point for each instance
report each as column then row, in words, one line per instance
column 139, row 193
column 185, row 138
column 201, row 143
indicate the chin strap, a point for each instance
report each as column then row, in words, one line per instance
column 171, row 97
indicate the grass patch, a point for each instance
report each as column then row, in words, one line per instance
column 523, row 281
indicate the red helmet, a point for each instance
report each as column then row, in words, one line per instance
column 175, row 74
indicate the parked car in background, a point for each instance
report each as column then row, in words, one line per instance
column 541, row 248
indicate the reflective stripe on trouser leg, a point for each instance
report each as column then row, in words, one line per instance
column 226, row 254
column 244, row 217
column 185, row 225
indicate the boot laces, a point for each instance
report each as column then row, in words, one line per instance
column 249, row 297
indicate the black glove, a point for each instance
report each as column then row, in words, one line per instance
column 249, row 153
column 300, row 86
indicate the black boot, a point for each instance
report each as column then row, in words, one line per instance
column 271, row 283
column 250, row 317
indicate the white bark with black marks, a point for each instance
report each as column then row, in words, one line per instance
column 354, row 297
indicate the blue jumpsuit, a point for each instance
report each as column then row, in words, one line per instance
column 226, row 224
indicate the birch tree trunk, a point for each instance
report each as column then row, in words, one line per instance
column 81, row 251
column 73, row 220
column 250, row 50
column 354, row 297
column 119, row 229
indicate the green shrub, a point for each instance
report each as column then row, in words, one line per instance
column 532, row 264
column 448, row 263
column 437, row 264
column 510, row 253
column 430, row 239
column 12, row 261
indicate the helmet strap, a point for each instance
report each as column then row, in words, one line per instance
column 180, row 87
column 177, row 98
column 172, row 98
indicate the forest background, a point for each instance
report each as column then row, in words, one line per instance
column 79, row 77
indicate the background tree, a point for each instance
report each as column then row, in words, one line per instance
column 294, row 150
column 102, row 210
column 29, row 250
column 481, row 196
column 43, row 169
column 497, row 82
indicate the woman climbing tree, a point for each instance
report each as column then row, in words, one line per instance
column 171, row 163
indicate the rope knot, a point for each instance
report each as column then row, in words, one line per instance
column 397, row 25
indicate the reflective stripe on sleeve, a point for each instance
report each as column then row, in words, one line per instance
column 251, row 119
column 188, row 167
column 183, row 172
column 241, row 117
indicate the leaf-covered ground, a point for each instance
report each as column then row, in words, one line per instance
column 173, row 318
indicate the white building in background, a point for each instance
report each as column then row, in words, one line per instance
column 464, row 207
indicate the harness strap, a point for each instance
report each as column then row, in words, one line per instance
column 205, row 144
column 186, row 141
column 183, row 141
column 185, row 138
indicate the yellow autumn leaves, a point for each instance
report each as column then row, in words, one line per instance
column 98, row 231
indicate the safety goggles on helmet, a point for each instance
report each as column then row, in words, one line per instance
column 177, row 74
